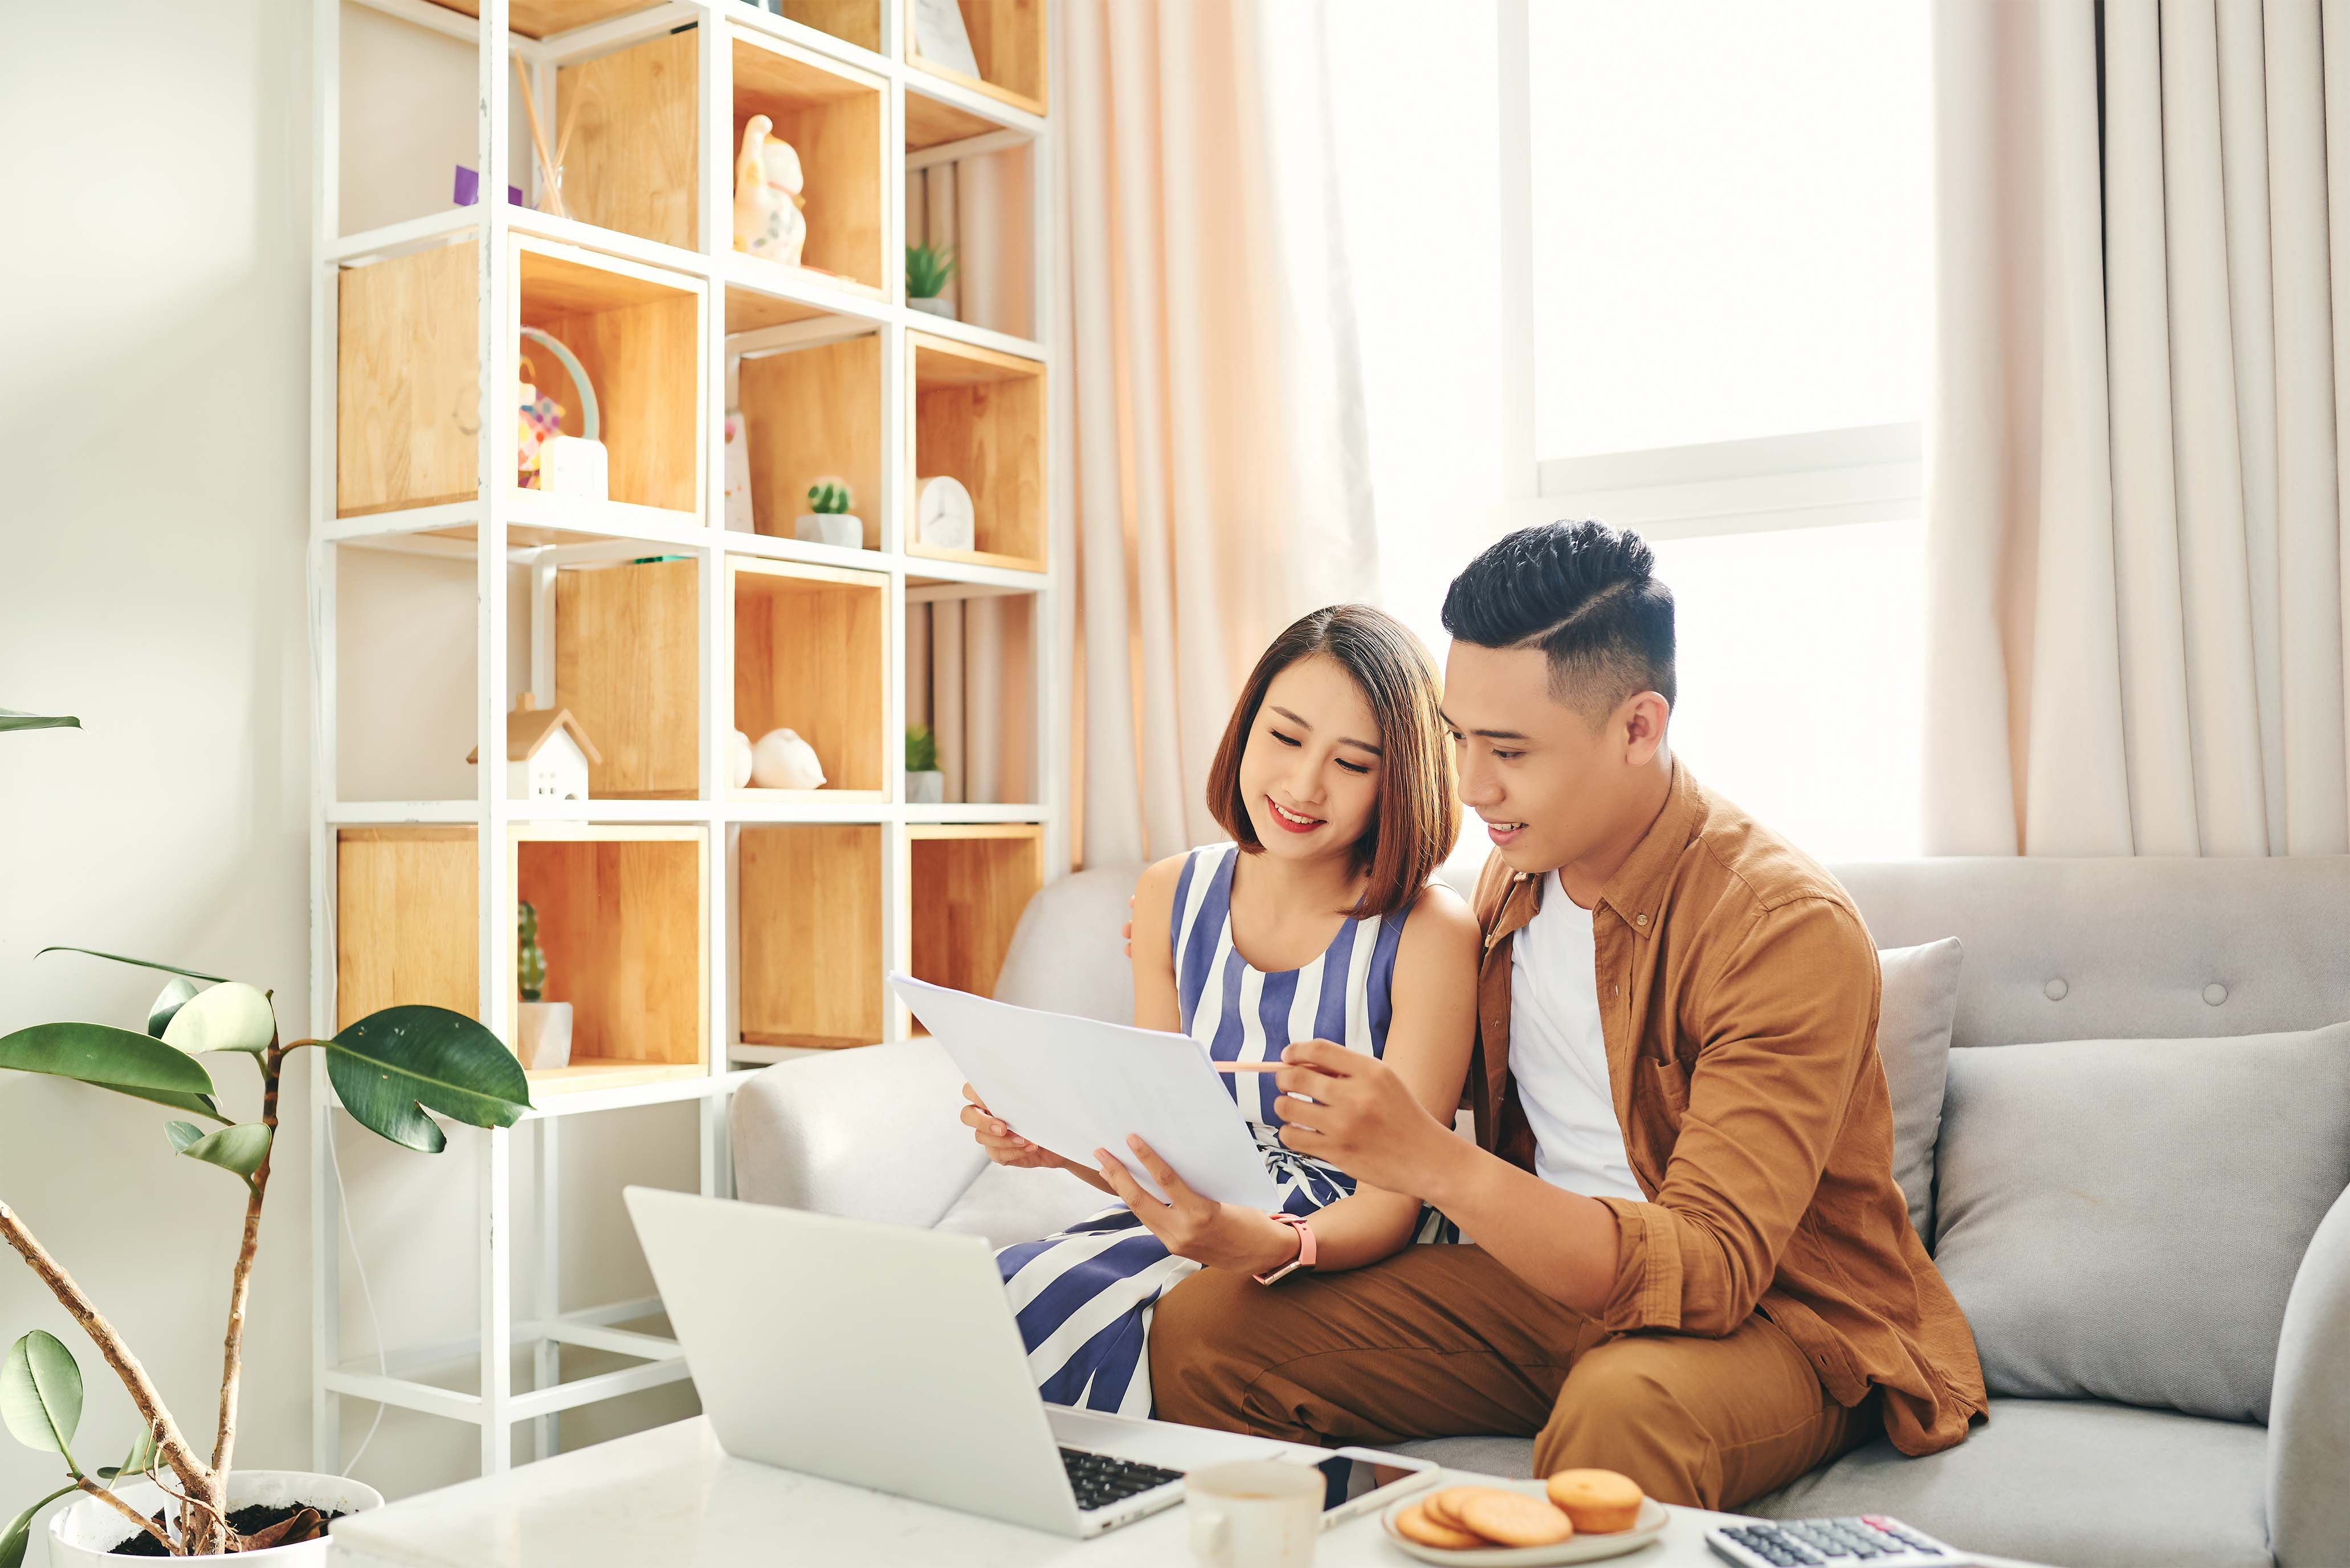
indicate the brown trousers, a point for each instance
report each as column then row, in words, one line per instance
column 1440, row 1341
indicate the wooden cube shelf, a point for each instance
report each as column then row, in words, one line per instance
column 406, row 921
column 808, row 908
column 1008, row 42
column 624, row 922
column 971, row 676
column 832, row 116
column 631, row 164
column 539, row 18
column 809, row 647
column 978, row 416
column 969, row 884
column 405, row 398
column 626, row 639
column 622, row 919
column 809, row 413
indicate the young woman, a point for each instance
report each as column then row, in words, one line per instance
column 1317, row 921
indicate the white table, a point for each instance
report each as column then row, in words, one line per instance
column 670, row 1497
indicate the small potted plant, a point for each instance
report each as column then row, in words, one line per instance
column 828, row 520
column 542, row 1029
column 166, row 1497
column 928, row 271
column 925, row 784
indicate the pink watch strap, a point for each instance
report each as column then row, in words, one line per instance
column 1305, row 1249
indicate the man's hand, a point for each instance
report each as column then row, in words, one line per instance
column 1363, row 1119
column 1220, row 1235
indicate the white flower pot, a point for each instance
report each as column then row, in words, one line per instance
column 542, row 1032
column 86, row 1534
column 844, row 529
column 936, row 304
column 928, row 787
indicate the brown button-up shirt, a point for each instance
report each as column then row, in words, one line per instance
column 1738, row 993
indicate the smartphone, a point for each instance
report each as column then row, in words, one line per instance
column 1356, row 1481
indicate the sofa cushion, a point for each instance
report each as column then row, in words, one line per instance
column 2122, row 1219
column 1066, row 954
column 1920, row 1003
column 2088, row 1485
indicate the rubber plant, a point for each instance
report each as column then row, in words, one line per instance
column 388, row 1069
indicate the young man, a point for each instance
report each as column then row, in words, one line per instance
column 1692, row 1261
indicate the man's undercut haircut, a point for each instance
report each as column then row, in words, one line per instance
column 1587, row 595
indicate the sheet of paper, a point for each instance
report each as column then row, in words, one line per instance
column 1075, row 1084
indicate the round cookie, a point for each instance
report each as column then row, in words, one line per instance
column 1513, row 1519
column 1414, row 1524
column 1444, row 1506
column 1599, row 1501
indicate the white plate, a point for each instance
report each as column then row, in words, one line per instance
column 1575, row 1549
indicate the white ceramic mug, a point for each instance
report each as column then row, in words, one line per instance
column 1255, row 1514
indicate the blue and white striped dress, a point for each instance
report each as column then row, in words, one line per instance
column 1083, row 1296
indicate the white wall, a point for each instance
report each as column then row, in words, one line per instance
column 154, row 450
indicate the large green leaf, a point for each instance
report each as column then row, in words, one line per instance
column 10, row 719
column 238, row 1149
column 143, row 963
column 14, row 1538
column 120, row 1059
column 40, row 1393
column 177, row 993
column 231, row 1016
column 390, row 1063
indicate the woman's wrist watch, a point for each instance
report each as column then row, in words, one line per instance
column 1304, row 1259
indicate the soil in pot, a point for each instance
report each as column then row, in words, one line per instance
column 251, row 1519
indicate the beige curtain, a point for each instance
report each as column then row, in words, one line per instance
column 2134, row 486
column 1214, row 433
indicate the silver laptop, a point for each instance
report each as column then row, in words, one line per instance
column 887, row 1358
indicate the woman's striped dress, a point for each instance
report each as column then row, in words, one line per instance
column 1083, row 1296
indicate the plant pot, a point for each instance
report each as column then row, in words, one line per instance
column 543, row 1034
column 926, row 788
column 842, row 528
column 85, row 1535
column 935, row 305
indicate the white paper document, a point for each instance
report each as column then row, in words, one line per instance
column 1076, row 1084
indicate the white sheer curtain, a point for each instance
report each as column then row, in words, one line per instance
column 2135, row 485
column 1215, row 433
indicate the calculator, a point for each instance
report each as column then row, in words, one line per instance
column 1860, row 1541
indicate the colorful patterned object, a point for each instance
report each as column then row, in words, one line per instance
column 541, row 417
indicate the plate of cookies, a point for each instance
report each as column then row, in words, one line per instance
column 1576, row 1516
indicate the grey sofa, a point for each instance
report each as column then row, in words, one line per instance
column 2158, row 960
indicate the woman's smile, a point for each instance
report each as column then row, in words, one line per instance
column 1295, row 822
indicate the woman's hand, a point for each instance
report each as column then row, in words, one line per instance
column 1220, row 1235
column 1006, row 1147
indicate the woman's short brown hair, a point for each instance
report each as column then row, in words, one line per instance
column 1419, row 816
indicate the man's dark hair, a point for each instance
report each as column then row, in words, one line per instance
column 1584, row 593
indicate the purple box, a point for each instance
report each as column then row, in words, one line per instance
column 469, row 189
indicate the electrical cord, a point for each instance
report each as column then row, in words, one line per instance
column 375, row 1324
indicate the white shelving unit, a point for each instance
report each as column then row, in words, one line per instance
column 916, row 877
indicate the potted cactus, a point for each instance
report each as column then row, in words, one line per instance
column 542, row 1029
column 828, row 520
column 925, row 784
column 928, row 272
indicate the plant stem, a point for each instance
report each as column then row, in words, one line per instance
column 191, row 1470
column 241, row 1284
column 129, row 1512
column 226, row 1539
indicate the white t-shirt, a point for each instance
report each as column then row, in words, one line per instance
column 1560, row 1057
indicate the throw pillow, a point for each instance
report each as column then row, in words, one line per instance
column 1918, row 1004
column 2122, row 1219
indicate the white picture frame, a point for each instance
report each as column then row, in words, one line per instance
column 940, row 36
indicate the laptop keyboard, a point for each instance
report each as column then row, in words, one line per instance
column 1101, row 1481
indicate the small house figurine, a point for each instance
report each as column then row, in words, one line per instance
column 547, row 752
